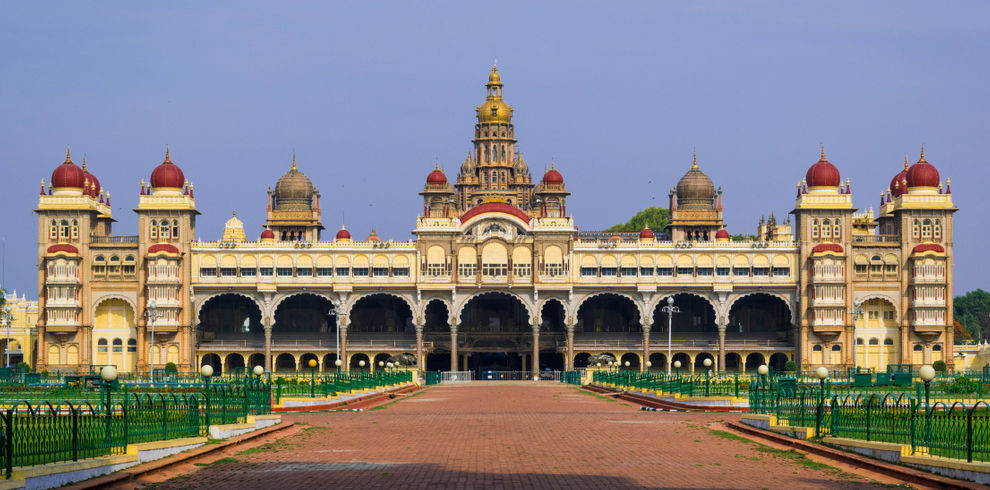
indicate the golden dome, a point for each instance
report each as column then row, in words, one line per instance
column 494, row 109
column 233, row 230
column 695, row 189
column 294, row 190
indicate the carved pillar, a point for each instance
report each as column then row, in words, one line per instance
column 570, row 347
column 268, row 348
column 453, row 348
column 419, row 348
column 646, row 347
column 344, row 360
column 42, row 348
column 721, row 346
column 536, row 351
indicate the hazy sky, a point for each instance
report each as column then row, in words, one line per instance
column 370, row 94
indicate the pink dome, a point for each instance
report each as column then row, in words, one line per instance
column 167, row 175
column 823, row 174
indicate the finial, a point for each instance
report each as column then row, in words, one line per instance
column 341, row 226
column 84, row 162
column 823, row 151
column 166, row 155
column 695, row 165
column 495, row 66
column 436, row 166
column 905, row 162
column 553, row 166
column 235, row 213
column 293, row 161
column 68, row 157
column 922, row 152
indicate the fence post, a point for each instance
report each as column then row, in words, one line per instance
column 10, row 442
column 969, row 434
column 914, row 416
column 75, row 432
column 869, row 404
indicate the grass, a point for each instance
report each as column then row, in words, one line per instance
column 220, row 461
column 397, row 400
column 600, row 397
column 791, row 455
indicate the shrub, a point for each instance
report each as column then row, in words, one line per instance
column 939, row 366
column 23, row 365
column 790, row 366
column 171, row 367
column 45, row 373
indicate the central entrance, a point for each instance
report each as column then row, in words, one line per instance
column 495, row 336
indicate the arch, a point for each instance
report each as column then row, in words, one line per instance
column 864, row 299
column 732, row 361
column 229, row 313
column 435, row 255
column 632, row 358
column 233, row 361
column 467, row 255
column 381, row 357
column 699, row 361
column 356, row 359
column 212, row 360
column 284, row 363
column 577, row 307
column 552, row 316
column 303, row 312
column 330, row 362
column 381, row 312
column 202, row 302
column 436, row 315
column 658, row 361
column 777, row 361
column 208, row 262
column 781, row 296
column 741, row 261
column 304, row 362
column 494, row 312
column 438, row 361
column 284, row 262
column 608, row 312
column 113, row 296
column 304, row 262
column 581, row 360
column 683, row 357
column 522, row 255
column 249, row 262
column 697, row 314
column 228, row 261
column 755, row 360
column 494, row 253
column 759, row 312
column 459, row 309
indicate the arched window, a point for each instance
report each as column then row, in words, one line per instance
column 99, row 264
column 503, row 153
column 837, row 230
column 814, row 229
column 917, row 229
column 826, row 229
column 888, row 341
column 101, row 345
column 114, row 267
column 129, row 264
column 118, row 345
column 874, row 341
column 938, row 229
column 53, row 235
column 131, row 345
column 486, row 156
column 75, row 229
column 153, row 230
column 926, row 229
column 163, row 231
column 63, row 233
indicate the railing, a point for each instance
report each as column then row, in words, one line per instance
column 113, row 238
column 456, row 376
column 892, row 239
column 713, row 384
column 331, row 385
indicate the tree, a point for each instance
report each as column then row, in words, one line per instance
column 972, row 310
column 653, row 217
column 742, row 237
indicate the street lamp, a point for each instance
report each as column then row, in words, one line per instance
column 9, row 320
column 763, row 370
column 708, row 374
column 258, row 371
column 648, row 366
column 670, row 309
column 381, row 364
column 856, row 312
column 338, row 363
column 821, row 373
column 677, row 366
column 336, row 310
column 927, row 374
column 312, row 378
column 207, row 372
column 108, row 374
column 361, row 363
column 152, row 314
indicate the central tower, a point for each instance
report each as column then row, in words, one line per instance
column 494, row 167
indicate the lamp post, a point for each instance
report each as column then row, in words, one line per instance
column 856, row 312
column 763, row 370
column 258, row 371
column 361, row 363
column 670, row 309
column 8, row 320
column 338, row 363
column 821, row 373
column 677, row 366
column 927, row 374
column 152, row 314
column 108, row 374
column 708, row 375
column 312, row 378
column 207, row 372
column 335, row 310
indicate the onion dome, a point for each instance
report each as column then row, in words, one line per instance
column 166, row 248
column 494, row 109
column 63, row 248
column 436, row 177
column 68, row 175
column 922, row 174
column 294, row 190
column 467, row 168
column 897, row 185
column 929, row 247
column 495, row 207
column 167, row 175
column 823, row 174
column 343, row 234
column 268, row 235
column 827, row 247
column 722, row 235
column 695, row 190
column 646, row 234
column 91, row 183
column 373, row 237
column 553, row 176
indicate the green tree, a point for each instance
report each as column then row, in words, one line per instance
column 972, row 310
column 742, row 237
column 653, row 217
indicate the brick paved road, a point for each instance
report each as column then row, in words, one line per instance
column 520, row 435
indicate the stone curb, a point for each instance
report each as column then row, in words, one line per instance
column 362, row 402
column 109, row 481
column 657, row 403
column 889, row 469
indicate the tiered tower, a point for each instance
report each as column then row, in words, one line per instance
column 294, row 208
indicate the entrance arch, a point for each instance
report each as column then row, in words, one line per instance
column 494, row 312
column 608, row 313
column 439, row 361
column 581, row 360
column 632, row 359
column 381, row 313
column 285, row 363
column 754, row 361
column 658, row 361
column 552, row 316
column 230, row 313
column 777, row 361
column 759, row 313
column 213, row 361
column 696, row 315
column 304, row 313
column 436, row 316
column 356, row 362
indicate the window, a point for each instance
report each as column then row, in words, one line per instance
column 267, row 271
column 814, row 229
column 99, row 265
column 101, row 345
column 129, row 264
column 467, row 270
column 826, row 229
column 114, row 267
column 249, row 272
column 628, row 271
column 876, row 268
column 837, row 230
column 522, row 270
column 360, row 272
column 874, row 341
column 436, row 270
column 888, row 315
column 553, row 270
column 208, row 271
column 609, row 271
column 665, row 271
column 589, row 271
column 153, row 230
column 494, row 270
column 890, row 268
column 646, row 271
column 118, row 345
column 874, row 315
column 685, row 271
column 861, row 268
column 938, row 229
column 781, row 271
column 379, row 271
column 304, row 271
column 400, row 271
column 926, row 229
column 706, row 271
column 75, row 230
column 917, row 229
column 283, row 271
column 761, row 271
column 53, row 233
column 343, row 271
column 324, row 271
column 722, row 271
column 228, row 272
column 740, row 271
column 131, row 345
column 175, row 229
column 888, row 341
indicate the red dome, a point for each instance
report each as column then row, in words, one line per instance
column 929, row 247
column 646, row 233
column 897, row 185
column 823, row 174
column 922, row 174
column 167, row 175
column 343, row 234
column 373, row 237
column 495, row 207
column 827, row 247
column 68, row 175
column 64, row 248
column 553, row 176
column 268, row 235
column 436, row 177
column 163, row 247
column 722, row 234
column 94, row 185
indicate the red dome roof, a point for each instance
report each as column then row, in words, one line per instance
column 93, row 188
column 823, row 174
column 923, row 174
column 646, row 233
column 163, row 247
column 436, row 177
column 167, row 175
column 268, row 235
column 929, row 247
column 495, row 207
column 553, row 176
column 63, row 248
column 827, row 247
column 897, row 185
column 343, row 234
column 722, row 234
column 68, row 175
column 373, row 237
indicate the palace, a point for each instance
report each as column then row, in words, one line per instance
column 498, row 276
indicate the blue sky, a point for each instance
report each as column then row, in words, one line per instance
column 370, row 94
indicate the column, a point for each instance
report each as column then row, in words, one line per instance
column 804, row 357
column 646, row 347
column 268, row 348
column 721, row 346
column 344, row 359
column 42, row 348
column 742, row 363
column 570, row 347
column 536, row 351
column 419, row 348
column 453, row 348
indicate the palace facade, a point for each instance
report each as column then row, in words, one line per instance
column 498, row 276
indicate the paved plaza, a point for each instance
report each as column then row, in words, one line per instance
column 512, row 435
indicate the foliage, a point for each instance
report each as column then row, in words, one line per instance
column 960, row 335
column 171, row 367
column 939, row 366
column 653, row 217
column 742, row 237
column 45, row 373
column 24, row 365
column 972, row 310
column 790, row 366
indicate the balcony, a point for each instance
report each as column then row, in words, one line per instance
column 103, row 239
column 930, row 302
column 872, row 240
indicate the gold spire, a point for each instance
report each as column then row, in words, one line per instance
column 342, row 226
column 695, row 165
column 68, row 157
column 293, row 161
column 553, row 166
column 905, row 162
column 436, row 166
column 823, row 152
column 922, row 153
column 166, row 155
column 84, row 163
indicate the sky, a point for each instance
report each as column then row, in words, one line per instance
column 370, row 94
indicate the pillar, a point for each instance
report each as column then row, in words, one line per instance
column 570, row 348
column 742, row 363
column 345, row 360
column 42, row 348
column 646, row 347
column 453, row 348
column 536, row 350
column 691, row 362
column 721, row 347
column 268, row 348
column 419, row 348
column 804, row 350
